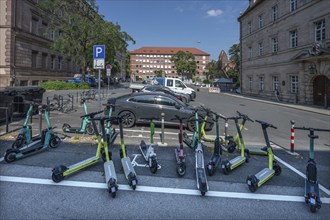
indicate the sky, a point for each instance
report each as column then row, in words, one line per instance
column 210, row 26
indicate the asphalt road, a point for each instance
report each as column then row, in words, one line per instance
column 27, row 191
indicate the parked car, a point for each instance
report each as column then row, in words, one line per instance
column 182, row 97
column 136, row 106
column 88, row 79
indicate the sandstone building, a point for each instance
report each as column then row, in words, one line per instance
column 285, row 50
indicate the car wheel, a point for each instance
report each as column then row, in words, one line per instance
column 184, row 100
column 128, row 119
column 191, row 123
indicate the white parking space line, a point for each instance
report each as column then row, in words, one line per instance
column 152, row 189
column 301, row 174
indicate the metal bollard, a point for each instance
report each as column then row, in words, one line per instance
column 292, row 136
column 163, row 121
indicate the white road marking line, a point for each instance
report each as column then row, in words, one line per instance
column 300, row 173
column 139, row 188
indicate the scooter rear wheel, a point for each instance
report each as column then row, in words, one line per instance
column 210, row 169
column 254, row 183
column 57, row 177
column 133, row 184
column 277, row 169
column 313, row 208
column 153, row 165
column 10, row 155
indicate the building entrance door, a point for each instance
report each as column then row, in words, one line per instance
column 321, row 91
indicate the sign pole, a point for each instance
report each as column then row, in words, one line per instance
column 99, row 90
column 108, row 84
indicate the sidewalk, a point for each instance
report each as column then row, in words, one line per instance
column 295, row 106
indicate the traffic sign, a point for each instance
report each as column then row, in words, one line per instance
column 99, row 52
column 99, row 64
column 108, row 66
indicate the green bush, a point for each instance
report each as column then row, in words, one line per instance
column 61, row 85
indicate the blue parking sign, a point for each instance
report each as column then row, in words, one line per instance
column 99, row 52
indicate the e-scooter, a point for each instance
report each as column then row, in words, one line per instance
column 25, row 134
column 217, row 150
column 312, row 192
column 148, row 152
column 251, row 150
column 48, row 139
column 59, row 172
column 202, row 184
column 85, row 127
column 129, row 171
column 229, row 165
column 255, row 181
column 179, row 154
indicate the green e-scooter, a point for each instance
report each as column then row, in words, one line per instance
column 255, row 181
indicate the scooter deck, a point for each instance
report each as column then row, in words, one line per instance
column 109, row 170
column 237, row 161
column 127, row 166
column 264, row 175
column 83, row 163
column 311, row 188
column 256, row 151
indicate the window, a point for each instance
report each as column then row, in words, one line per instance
column 51, row 35
column 34, row 59
column 165, row 101
column 44, row 61
column 143, row 99
column 275, row 83
column 59, row 64
column 261, row 21
column 23, row 83
column 293, row 38
column 179, row 84
column 169, row 82
column 320, row 30
column 52, row 62
column 294, row 84
column 44, row 29
column 293, row 5
column 274, row 44
column 35, row 82
column 34, row 26
column 261, row 49
column 249, row 27
column 261, row 83
column 250, row 52
column 250, row 83
column 275, row 12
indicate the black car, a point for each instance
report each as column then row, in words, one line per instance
column 136, row 106
column 183, row 97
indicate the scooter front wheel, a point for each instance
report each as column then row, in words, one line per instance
column 90, row 129
column 277, row 169
column 210, row 169
column 181, row 169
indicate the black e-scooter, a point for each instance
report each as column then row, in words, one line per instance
column 255, row 181
column 179, row 154
column 312, row 192
column 148, row 152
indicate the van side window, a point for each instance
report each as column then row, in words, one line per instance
column 179, row 84
column 169, row 83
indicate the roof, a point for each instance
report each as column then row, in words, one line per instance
column 168, row 50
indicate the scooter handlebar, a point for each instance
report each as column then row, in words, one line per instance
column 91, row 114
column 266, row 124
column 244, row 116
column 312, row 129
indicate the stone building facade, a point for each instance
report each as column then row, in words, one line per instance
column 25, row 55
column 146, row 60
column 285, row 50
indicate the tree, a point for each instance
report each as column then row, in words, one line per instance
column 235, row 57
column 213, row 71
column 184, row 63
column 80, row 27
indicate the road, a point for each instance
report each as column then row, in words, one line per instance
column 27, row 191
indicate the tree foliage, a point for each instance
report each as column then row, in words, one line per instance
column 159, row 73
column 235, row 57
column 213, row 71
column 78, row 26
column 184, row 63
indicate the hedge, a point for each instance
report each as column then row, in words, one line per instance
column 61, row 85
